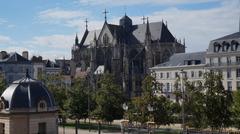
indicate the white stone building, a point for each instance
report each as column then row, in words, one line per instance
column 222, row 55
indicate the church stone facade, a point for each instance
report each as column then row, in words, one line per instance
column 125, row 50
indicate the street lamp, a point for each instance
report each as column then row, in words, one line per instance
column 125, row 108
column 183, row 74
column 150, row 109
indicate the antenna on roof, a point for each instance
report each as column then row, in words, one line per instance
column 166, row 23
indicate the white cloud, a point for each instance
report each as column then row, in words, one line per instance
column 199, row 27
column 57, row 15
column 2, row 21
column 137, row 2
column 52, row 41
column 5, row 40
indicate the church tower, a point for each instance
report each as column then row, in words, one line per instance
column 93, row 53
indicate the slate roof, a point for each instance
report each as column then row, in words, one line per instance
column 26, row 93
column 13, row 58
column 179, row 58
column 230, row 36
column 159, row 32
column 89, row 37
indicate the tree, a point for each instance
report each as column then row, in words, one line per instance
column 109, row 99
column 163, row 108
column 218, row 101
column 77, row 103
column 2, row 83
column 236, row 109
column 195, row 105
column 57, row 88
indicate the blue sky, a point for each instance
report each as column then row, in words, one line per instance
column 48, row 27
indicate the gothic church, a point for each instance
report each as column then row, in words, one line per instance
column 125, row 50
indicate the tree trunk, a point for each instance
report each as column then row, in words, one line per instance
column 76, row 126
column 99, row 127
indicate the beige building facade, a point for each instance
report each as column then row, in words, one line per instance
column 27, row 107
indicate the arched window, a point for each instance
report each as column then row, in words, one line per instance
column 225, row 46
column 234, row 45
column 217, row 46
column 105, row 39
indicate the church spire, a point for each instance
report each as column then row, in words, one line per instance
column 147, row 34
column 86, row 21
column 76, row 39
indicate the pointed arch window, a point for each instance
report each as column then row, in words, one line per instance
column 105, row 39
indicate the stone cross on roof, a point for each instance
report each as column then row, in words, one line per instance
column 105, row 13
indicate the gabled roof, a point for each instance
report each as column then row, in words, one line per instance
column 158, row 32
column 15, row 58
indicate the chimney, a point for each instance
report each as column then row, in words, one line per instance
column 3, row 55
column 25, row 54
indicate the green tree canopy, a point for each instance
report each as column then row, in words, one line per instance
column 109, row 99
column 2, row 83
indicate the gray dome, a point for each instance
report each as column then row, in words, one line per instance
column 26, row 93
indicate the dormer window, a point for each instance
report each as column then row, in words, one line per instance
column 42, row 106
column 2, row 105
column 225, row 46
column 234, row 45
column 217, row 47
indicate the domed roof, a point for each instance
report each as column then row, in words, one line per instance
column 26, row 93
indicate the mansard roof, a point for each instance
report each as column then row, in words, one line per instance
column 14, row 58
column 234, row 36
column 159, row 32
column 226, row 43
column 180, row 59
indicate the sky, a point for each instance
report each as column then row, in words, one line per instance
column 48, row 27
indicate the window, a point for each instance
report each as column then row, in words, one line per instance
column 168, row 87
column 219, row 61
column 238, row 60
column 238, row 85
column 192, row 74
column 229, row 73
column 238, row 72
column 161, row 75
column 105, row 39
column 229, row 86
column 176, row 75
column 42, row 105
column 42, row 128
column 199, row 73
column 197, row 62
column 228, row 60
column 167, row 74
